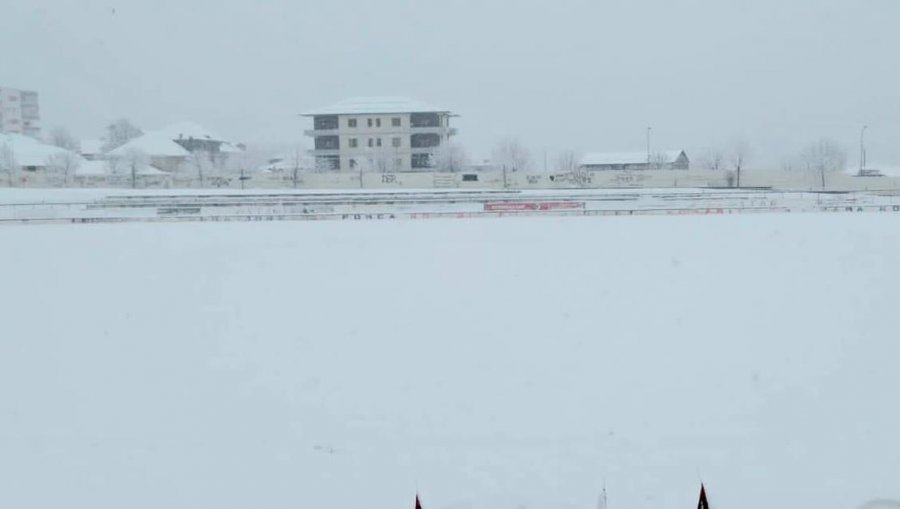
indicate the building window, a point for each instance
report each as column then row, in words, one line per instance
column 378, row 142
column 353, row 163
column 322, row 143
column 351, row 122
column 421, row 161
column 377, row 122
column 371, row 142
column 352, row 142
column 396, row 142
column 370, row 122
column 323, row 122
column 395, row 121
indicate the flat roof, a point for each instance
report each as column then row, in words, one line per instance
column 376, row 105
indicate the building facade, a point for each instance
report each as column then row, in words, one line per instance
column 386, row 134
column 19, row 112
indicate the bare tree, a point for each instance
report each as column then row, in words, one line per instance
column 134, row 160
column 119, row 133
column 451, row 157
column 568, row 164
column 296, row 165
column 203, row 163
column 740, row 154
column 510, row 154
column 713, row 160
column 824, row 156
column 8, row 163
column 62, row 138
column 65, row 163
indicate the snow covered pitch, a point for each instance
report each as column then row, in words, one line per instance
column 513, row 363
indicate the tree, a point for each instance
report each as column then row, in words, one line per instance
column 824, row 156
column 713, row 160
column 202, row 162
column 65, row 163
column 62, row 138
column 8, row 163
column 134, row 160
column 740, row 154
column 119, row 133
column 451, row 157
column 568, row 163
column 296, row 165
column 511, row 155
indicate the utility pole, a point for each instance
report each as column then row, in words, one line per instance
column 648, row 147
column 862, row 149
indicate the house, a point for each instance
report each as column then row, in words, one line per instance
column 98, row 172
column 379, row 134
column 172, row 147
column 666, row 160
column 29, row 154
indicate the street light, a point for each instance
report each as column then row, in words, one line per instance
column 862, row 149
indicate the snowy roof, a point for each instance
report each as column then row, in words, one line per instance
column 154, row 143
column 617, row 158
column 229, row 148
column 189, row 130
column 376, row 105
column 29, row 151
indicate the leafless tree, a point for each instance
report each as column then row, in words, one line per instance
column 134, row 160
column 65, row 163
column 713, row 160
column 119, row 133
column 62, row 138
column 203, row 163
column 740, row 154
column 568, row 164
column 451, row 157
column 8, row 163
column 824, row 156
column 296, row 165
column 510, row 154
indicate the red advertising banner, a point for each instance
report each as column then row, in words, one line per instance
column 526, row 206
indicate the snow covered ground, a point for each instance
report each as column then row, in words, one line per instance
column 515, row 363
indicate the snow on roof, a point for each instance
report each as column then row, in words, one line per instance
column 619, row 158
column 229, row 148
column 155, row 143
column 189, row 130
column 29, row 151
column 376, row 105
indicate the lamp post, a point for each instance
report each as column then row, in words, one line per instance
column 862, row 149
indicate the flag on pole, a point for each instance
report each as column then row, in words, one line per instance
column 703, row 503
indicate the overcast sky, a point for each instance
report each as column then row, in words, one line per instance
column 587, row 75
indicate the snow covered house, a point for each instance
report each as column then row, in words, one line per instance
column 171, row 148
column 666, row 160
column 379, row 134
column 29, row 154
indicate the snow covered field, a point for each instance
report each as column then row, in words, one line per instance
column 515, row 363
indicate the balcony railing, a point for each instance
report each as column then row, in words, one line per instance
column 321, row 132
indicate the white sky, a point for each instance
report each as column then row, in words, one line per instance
column 588, row 75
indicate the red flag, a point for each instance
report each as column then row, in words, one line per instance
column 703, row 504
column 418, row 504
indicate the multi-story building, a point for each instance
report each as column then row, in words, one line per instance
column 379, row 134
column 19, row 112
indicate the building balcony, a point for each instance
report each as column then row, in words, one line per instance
column 321, row 132
column 448, row 131
column 324, row 152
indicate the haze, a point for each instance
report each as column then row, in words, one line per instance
column 583, row 75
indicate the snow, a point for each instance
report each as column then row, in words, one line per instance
column 597, row 159
column 101, row 168
column 515, row 363
column 188, row 130
column 29, row 151
column 377, row 105
column 91, row 147
column 154, row 143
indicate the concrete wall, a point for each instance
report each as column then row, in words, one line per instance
column 793, row 181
